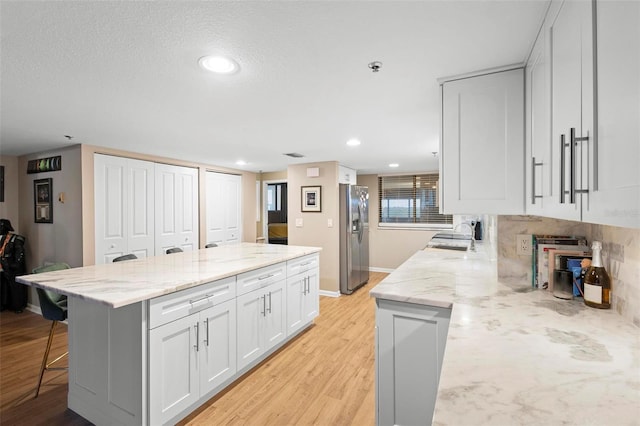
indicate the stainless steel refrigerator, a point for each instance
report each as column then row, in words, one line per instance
column 354, row 237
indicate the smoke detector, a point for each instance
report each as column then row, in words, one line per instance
column 375, row 66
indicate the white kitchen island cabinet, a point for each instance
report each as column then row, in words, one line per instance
column 303, row 277
column 261, row 322
column 410, row 342
column 150, row 340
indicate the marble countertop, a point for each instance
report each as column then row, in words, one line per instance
column 123, row 283
column 518, row 356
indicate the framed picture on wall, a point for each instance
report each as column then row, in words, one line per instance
column 311, row 199
column 43, row 200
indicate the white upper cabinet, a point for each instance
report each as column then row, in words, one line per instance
column 568, row 28
column 176, row 207
column 614, row 178
column 347, row 175
column 590, row 171
column 223, row 208
column 538, row 131
column 482, row 144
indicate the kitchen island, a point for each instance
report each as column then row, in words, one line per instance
column 150, row 340
column 513, row 355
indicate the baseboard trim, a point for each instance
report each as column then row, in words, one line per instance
column 329, row 293
column 387, row 270
column 33, row 308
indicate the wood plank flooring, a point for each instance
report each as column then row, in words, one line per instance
column 323, row 377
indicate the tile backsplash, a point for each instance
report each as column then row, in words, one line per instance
column 621, row 255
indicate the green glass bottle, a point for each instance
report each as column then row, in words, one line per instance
column 597, row 285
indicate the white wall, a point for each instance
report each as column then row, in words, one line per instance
column 315, row 230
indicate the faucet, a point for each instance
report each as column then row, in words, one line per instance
column 472, row 228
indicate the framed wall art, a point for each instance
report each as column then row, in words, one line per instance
column 311, row 199
column 43, row 200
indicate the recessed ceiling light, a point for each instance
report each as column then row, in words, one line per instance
column 394, row 165
column 219, row 64
column 241, row 163
column 353, row 142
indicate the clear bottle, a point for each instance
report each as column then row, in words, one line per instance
column 597, row 285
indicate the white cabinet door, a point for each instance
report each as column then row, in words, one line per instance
column 251, row 310
column 568, row 27
column 223, row 208
column 312, row 296
column 141, row 230
column 173, row 373
column 296, row 289
column 261, row 321
column 614, row 197
column 218, row 345
column 275, row 329
column 176, row 207
column 123, row 195
column 409, row 351
column 483, row 144
column 302, row 299
column 538, row 130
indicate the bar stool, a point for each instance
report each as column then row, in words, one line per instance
column 130, row 256
column 174, row 250
column 54, row 308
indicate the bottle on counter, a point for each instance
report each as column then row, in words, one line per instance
column 597, row 285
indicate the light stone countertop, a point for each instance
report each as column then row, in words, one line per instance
column 517, row 356
column 124, row 283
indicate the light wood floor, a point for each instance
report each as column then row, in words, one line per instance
column 324, row 377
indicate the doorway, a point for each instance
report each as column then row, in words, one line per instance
column 275, row 205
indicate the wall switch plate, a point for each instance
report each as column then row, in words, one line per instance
column 523, row 245
column 299, row 223
column 330, row 223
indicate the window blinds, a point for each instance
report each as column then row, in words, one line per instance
column 410, row 199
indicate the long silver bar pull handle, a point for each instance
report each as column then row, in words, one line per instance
column 572, row 159
column 562, row 159
column 264, row 305
column 197, row 345
column 206, row 337
column 533, row 179
column 269, row 302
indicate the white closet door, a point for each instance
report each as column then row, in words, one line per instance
column 123, row 198
column 110, row 199
column 233, row 207
column 176, row 207
column 140, row 212
column 223, row 208
column 214, row 208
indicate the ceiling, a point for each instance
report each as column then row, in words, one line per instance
column 125, row 75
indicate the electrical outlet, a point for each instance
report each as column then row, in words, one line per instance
column 523, row 245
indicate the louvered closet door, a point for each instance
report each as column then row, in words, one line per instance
column 176, row 207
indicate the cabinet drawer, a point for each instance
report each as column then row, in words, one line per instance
column 171, row 307
column 252, row 280
column 302, row 264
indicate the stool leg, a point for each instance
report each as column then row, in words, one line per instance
column 46, row 356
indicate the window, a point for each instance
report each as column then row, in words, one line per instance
column 410, row 199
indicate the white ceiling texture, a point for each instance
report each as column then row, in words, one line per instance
column 125, row 74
